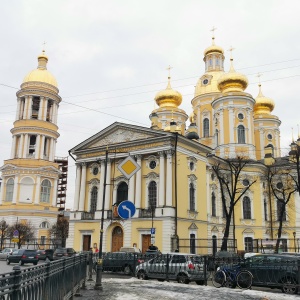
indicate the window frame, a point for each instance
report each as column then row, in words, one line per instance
column 45, row 191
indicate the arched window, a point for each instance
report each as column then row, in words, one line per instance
column 122, row 192
column 205, row 127
column 248, row 244
column 247, row 208
column 44, row 225
column 192, row 196
column 152, row 194
column 192, row 243
column 241, row 134
column 281, row 206
column 213, row 204
column 45, row 191
column 9, row 189
column 94, row 196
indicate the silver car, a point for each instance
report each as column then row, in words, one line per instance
column 182, row 267
column 5, row 252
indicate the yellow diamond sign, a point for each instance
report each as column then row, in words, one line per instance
column 128, row 167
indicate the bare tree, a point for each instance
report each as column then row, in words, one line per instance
column 283, row 186
column 229, row 173
column 25, row 232
column 60, row 230
column 3, row 231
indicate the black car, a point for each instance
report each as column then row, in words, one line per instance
column 121, row 261
column 63, row 252
column 275, row 271
column 23, row 256
column 222, row 258
column 45, row 254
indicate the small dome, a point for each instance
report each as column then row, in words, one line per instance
column 168, row 97
column 213, row 48
column 263, row 104
column 41, row 74
column 232, row 81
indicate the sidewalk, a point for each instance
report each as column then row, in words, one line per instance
column 135, row 289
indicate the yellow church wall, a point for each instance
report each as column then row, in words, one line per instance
column 20, row 124
column 86, row 226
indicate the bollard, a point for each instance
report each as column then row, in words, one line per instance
column 91, row 264
column 16, row 294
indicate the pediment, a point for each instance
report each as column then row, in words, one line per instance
column 119, row 133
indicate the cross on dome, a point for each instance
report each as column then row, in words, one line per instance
column 44, row 46
column 213, row 34
column 231, row 49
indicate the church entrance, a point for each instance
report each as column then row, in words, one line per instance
column 146, row 242
column 117, row 239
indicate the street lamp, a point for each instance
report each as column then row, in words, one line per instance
column 294, row 234
column 98, row 285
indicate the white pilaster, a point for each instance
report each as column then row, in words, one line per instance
column 82, row 187
column 222, row 127
column 36, row 199
column 25, row 148
column 138, row 183
column 37, row 147
column 51, row 150
column 262, row 143
column 15, row 192
column 107, row 191
column 45, row 106
column 161, row 195
column 131, row 189
column 231, row 118
column 169, row 196
column 54, row 192
column 29, row 107
column 77, row 187
column 101, row 186
column 18, row 108
column 20, row 146
column 42, row 147
column 41, row 108
column 250, row 131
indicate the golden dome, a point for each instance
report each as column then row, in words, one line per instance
column 213, row 48
column 168, row 97
column 41, row 74
column 232, row 81
column 263, row 105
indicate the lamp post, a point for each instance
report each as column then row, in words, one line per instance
column 98, row 285
column 294, row 234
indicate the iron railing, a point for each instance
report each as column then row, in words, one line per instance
column 59, row 280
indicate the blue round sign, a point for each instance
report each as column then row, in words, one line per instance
column 126, row 209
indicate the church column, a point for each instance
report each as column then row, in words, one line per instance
column 37, row 147
column 25, row 149
column 29, row 107
column 138, row 182
column 222, row 127
column 169, row 196
column 15, row 192
column 231, row 126
column 250, row 120
column 36, row 199
column 45, row 107
column 54, row 115
column 51, row 150
column 42, row 147
column 262, row 143
column 107, row 191
column 54, row 196
column 199, row 125
column 131, row 189
column 101, row 187
column 2, row 192
column 20, row 150
column 18, row 108
column 161, row 195
column 82, row 187
column 277, row 140
column 41, row 108
column 13, row 147
column 77, row 186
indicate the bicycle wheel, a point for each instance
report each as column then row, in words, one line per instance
column 218, row 279
column 244, row 280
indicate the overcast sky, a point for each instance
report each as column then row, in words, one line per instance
column 110, row 58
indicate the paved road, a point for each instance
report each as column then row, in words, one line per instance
column 4, row 268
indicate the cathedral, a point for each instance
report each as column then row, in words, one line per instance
column 175, row 193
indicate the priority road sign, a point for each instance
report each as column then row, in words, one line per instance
column 128, row 167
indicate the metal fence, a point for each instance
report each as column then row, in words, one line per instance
column 57, row 280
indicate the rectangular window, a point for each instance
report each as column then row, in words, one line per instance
column 43, row 240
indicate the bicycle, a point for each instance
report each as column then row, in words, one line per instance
column 232, row 277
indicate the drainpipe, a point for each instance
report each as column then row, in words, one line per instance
column 176, row 198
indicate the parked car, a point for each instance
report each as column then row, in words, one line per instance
column 5, row 252
column 63, row 252
column 130, row 249
column 23, row 256
column 274, row 270
column 183, row 267
column 222, row 258
column 44, row 254
column 121, row 261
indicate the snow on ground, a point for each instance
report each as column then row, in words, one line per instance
column 135, row 289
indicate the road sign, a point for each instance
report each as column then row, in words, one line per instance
column 16, row 233
column 152, row 230
column 126, row 209
column 128, row 167
column 15, row 240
